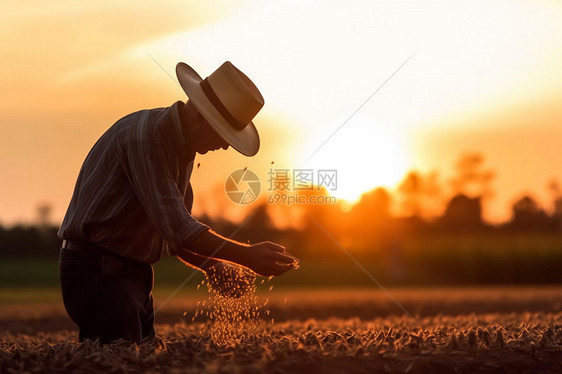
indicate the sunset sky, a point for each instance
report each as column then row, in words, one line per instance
column 484, row 76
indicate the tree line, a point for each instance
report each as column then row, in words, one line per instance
column 425, row 207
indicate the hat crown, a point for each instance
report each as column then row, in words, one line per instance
column 237, row 93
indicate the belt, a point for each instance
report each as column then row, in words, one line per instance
column 76, row 245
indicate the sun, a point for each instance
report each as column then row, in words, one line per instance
column 365, row 155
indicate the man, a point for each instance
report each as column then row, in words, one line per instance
column 133, row 200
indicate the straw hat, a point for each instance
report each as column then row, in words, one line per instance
column 228, row 100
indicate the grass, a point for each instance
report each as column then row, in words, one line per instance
column 422, row 260
column 169, row 273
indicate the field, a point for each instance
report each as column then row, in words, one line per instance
column 462, row 330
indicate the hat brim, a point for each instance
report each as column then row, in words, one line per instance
column 245, row 141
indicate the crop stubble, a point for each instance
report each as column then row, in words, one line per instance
column 519, row 341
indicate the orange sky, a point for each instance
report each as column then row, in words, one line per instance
column 485, row 77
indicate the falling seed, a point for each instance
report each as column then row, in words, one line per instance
column 231, row 318
column 270, row 288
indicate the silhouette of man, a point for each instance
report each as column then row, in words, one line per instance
column 133, row 199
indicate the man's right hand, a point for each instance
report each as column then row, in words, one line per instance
column 267, row 258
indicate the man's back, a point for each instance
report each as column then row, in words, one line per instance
column 137, row 173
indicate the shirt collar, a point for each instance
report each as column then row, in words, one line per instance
column 179, row 131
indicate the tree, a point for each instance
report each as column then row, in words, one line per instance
column 258, row 226
column 419, row 192
column 373, row 206
column 528, row 215
column 470, row 186
column 472, row 180
column 556, row 193
column 369, row 218
column 44, row 214
column 463, row 213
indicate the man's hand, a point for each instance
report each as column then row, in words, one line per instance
column 267, row 259
column 264, row 258
column 230, row 280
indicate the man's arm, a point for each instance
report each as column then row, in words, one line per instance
column 264, row 258
column 196, row 261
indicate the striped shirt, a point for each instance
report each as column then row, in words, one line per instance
column 133, row 196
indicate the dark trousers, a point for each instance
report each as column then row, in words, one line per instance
column 107, row 296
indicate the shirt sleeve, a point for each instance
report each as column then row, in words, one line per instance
column 149, row 172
